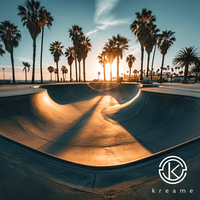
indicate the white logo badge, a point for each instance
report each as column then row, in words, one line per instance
column 175, row 167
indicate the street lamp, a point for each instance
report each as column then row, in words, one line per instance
column 3, row 73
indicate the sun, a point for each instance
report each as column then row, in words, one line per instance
column 114, row 70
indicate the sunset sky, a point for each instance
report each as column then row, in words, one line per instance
column 100, row 20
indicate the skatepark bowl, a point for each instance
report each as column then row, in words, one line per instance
column 95, row 141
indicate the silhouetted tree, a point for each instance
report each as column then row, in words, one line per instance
column 45, row 19
column 140, row 28
column 64, row 71
column 110, row 54
column 51, row 70
column 120, row 44
column 69, row 53
column 30, row 16
column 26, row 69
column 10, row 36
column 165, row 41
column 56, row 51
column 187, row 57
column 103, row 61
column 130, row 59
column 86, row 47
column 75, row 33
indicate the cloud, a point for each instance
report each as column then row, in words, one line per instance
column 103, row 16
column 135, row 49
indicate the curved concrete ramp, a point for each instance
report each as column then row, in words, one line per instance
column 67, row 121
column 49, row 138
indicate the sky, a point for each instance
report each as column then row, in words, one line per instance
column 100, row 20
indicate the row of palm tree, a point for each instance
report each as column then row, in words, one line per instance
column 148, row 36
column 79, row 51
column 35, row 17
column 113, row 49
column 64, row 71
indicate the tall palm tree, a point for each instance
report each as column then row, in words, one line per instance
column 165, row 41
column 140, row 27
column 56, row 51
column 30, row 16
column 45, row 19
column 130, row 59
column 10, row 36
column 86, row 47
column 155, row 36
column 120, row 44
column 150, row 42
column 75, row 33
column 110, row 54
column 26, row 69
column 51, row 70
column 1, row 50
column 69, row 53
column 64, row 71
column 187, row 57
column 103, row 61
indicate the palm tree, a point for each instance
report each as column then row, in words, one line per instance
column 165, row 41
column 150, row 42
column 70, row 58
column 120, row 44
column 51, row 70
column 187, row 57
column 130, row 59
column 103, row 61
column 56, row 51
column 30, row 16
column 110, row 55
column 45, row 19
column 140, row 27
column 86, row 47
column 10, row 36
column 1, row 50
column 155, row 38
column 75, row 33
column 64, row 70
column 26, row 69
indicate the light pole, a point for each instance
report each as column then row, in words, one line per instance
column 3, row 73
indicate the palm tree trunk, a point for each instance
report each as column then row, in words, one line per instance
column 57, row 71
column 117, row 68
column 142, row 55
column 13, row 68
column 129, row 74
column 153, row 61
column 34, row 52
column 41, row 55
column 104, row 72
column 51, row 76
column 70, row 73
column 163, row 58
column 196, row 78
column 186, row 72
column 76, row 65
column 148, row 64
column 84, row 78
column 110, row 72
column 25, row 75
column 79, row 64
